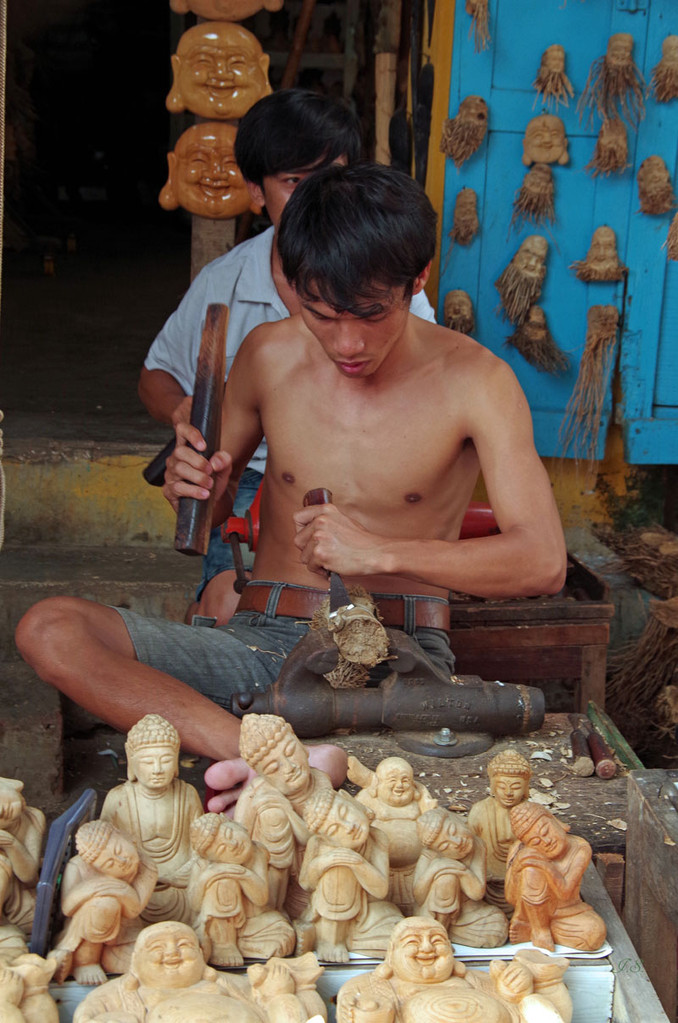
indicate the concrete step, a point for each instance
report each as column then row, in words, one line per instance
column 30, row 733
column 156, row 581
column 84, row 492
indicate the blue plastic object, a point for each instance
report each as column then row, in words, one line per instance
column 57, row 851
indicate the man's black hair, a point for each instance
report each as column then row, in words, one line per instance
column 293, row 129
column 350, row 235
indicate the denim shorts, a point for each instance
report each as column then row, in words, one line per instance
column 219, row 555
column 245, row 654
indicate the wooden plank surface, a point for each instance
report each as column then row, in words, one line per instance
column 596, row 810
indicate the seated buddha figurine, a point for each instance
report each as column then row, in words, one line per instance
column 155, row 807
column 345, row 869
column 509, row 775
column 543, row 878
column 228, row 891
column 104, row 889
column 271, row 807
column 449, row 881
column 397, row 801
column 420, row 980
column 22, row 829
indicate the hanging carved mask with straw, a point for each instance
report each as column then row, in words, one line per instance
column 480, row 27
column 602, row 262
column 611, row 154
column 654, row 186
column 545, row 141
column 463, row 134
column 581, row 424
column 520, row 283
column 551, row 83
column 465, row 222
column 615, row 85
column 535, row 200
column 664, row 81
column 534, row 342
column 458, row 311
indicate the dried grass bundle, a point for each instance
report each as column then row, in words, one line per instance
column 615, row 84
column 650, row 556
column 480, row 26
column 463, row 134
column 535, row 199
column 551, row 83
column 664, row 81
column 672, row 239
column 581, row 424
column 641, row 672
column 611, row 153
column 534, row 342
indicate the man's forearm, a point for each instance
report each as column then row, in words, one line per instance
column 161, row 393
column 505, row 565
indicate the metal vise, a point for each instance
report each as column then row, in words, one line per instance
column 414, row 696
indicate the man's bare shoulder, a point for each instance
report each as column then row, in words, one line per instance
column 463, row 355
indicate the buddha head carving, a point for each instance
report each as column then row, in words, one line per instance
column 420, row 952
column 338, row 817
column 509, row 775
column 615, row 86
column 219, row 71
column 444, row 832
column 520, row 283
column 602, row 261
column 545, row 141
column 270, row 747
column 536, row 826
column 219, row 839
column 204, row 177
column 395, row 782
column 152, row 748
column 167, row 955
column 612, row 149
column 108, row 850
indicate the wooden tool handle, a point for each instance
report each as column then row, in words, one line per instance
column 582, row 762
column 321, row 495
column 194, row 518
column 601, row 754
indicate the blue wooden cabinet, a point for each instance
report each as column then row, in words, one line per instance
column 503, row 74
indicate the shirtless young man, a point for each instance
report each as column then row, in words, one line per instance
column 393, row 414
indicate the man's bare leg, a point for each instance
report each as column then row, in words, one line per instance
column 84, row 650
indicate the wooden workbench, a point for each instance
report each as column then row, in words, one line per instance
column 596, row 809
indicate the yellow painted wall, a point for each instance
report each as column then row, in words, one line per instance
column 574, row 486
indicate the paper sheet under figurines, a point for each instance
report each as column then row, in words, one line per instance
column 463, row 134
column 611, row 153
column 519, row 285
column 220, row 71
column 602, row 261
column 458, row 311
column 615, row 86
column 535, row 199
column 552, row 83
column 664, row 81
column 581, row 425
column 655, row 190
column 465, row 221
column 224, row 10
column 545, row 141
column 480, row 26
column 534, row 342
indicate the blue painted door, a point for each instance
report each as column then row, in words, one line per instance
column 648, row 303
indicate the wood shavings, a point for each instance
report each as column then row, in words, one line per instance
column 543, row 798
column 562, row 806
column 189, row 761
column 540, row 755
column 618, row 823
column 546, row 782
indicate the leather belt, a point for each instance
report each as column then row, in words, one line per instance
column 302, row 602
